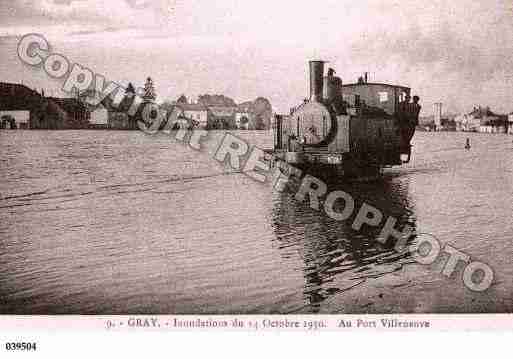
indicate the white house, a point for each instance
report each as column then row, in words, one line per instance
column 242, row 119
column 467, row 123
column 493, row 126
column 99, row 116
column 491, row 129
column 195, row 112
column 243, row 116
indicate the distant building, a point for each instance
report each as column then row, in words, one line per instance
column 496, row 124
column 482, row 119
column 244, row 118
column 221, row 117
column 489, row 122
column 491, row 127
column 112, row 113
column 467, row 123
column 197, row 113
column 77, row 114
column 98, row 114
column 99, row 117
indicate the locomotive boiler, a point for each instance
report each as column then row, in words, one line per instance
column 350, row 130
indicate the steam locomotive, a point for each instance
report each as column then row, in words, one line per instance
column 350, row 130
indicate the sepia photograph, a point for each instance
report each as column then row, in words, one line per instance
column 200, row 159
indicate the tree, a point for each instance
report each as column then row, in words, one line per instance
column 216, row 100
column 167, row 106
column 130, row 89
column 127, row 100
column 149, row 90
column 263, row 113
column 182, row 99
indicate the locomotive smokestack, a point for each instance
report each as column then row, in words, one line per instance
column 316, row 80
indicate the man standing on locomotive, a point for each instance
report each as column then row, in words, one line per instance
column 416, row 110
column 408, row 118
column 404, row 110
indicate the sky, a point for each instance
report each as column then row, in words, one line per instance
column 456, row 52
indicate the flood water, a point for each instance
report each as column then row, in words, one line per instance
column 111, row 222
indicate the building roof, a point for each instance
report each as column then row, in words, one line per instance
column 494, row 121
column 481, row 112
column 222, row 110
column 376, row 84
column 192, row 107
column 245, row 107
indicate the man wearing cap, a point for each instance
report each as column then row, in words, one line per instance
column 415, row 108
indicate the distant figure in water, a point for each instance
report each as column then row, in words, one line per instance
column 467, row 146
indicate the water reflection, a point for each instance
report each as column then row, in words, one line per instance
column 336, row 257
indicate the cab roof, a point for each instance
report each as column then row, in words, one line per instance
column 376, row 84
